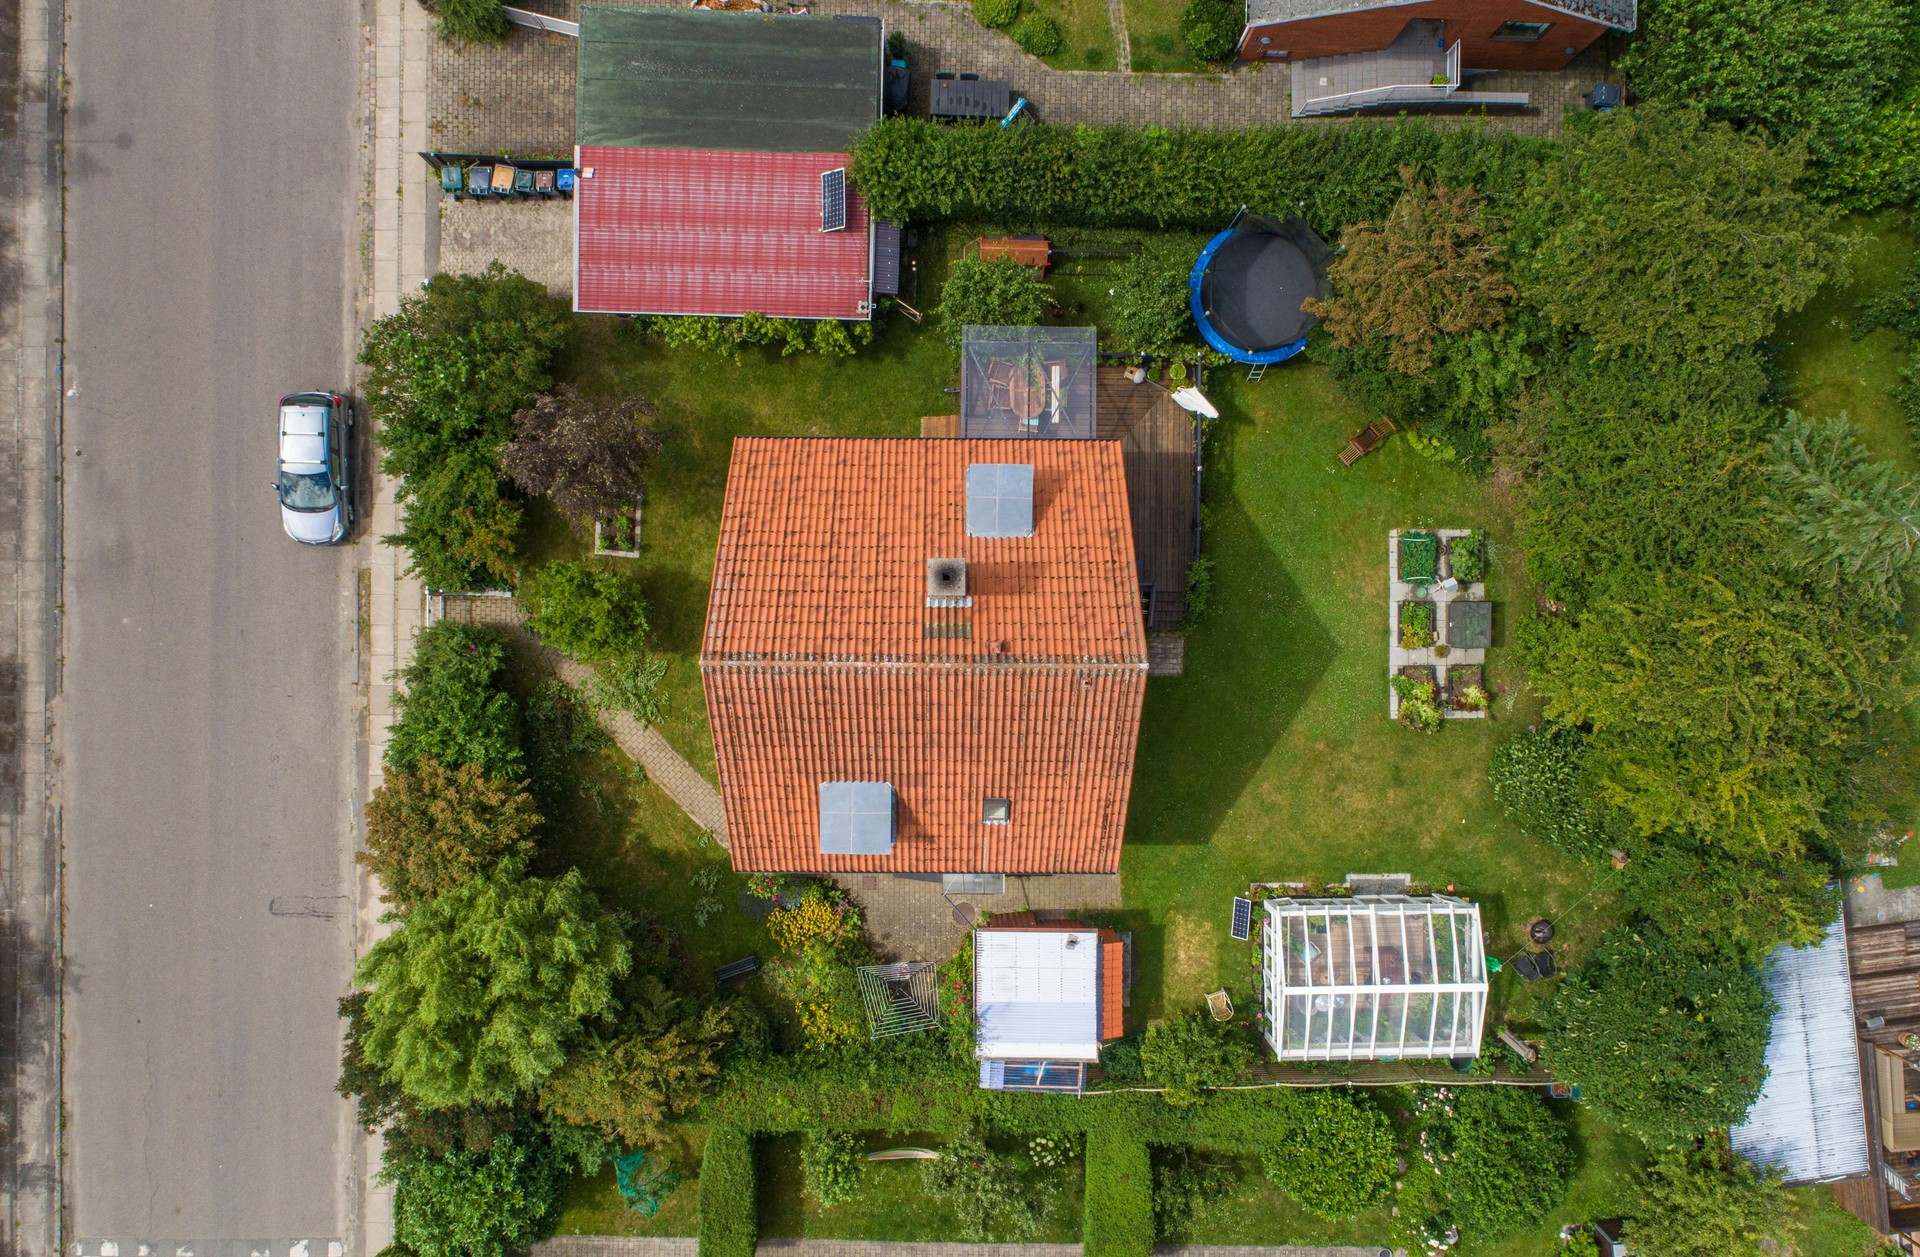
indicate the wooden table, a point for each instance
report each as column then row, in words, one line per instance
column 970, row 98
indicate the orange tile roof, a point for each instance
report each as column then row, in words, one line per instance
column 818, row 665
column 1113, row 975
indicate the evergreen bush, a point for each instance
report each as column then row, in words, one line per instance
column 996, row 14
column 729, row 1218
column 1119, row 1199
column 450, row 707
column 1336, row 1158
column 1039, row 34
column 1211, row 28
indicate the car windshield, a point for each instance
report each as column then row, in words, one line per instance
column 306, row 491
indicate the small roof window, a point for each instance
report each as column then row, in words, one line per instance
column 856, row 818
column 1000, row 500
column 996, row 811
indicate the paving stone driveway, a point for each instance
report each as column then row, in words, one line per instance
column 519, row 98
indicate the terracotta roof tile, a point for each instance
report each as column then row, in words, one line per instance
column 1113, row 974
column 818, row 666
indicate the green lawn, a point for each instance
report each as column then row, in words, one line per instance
column 1273, row 758
column 1153, row 34
column 1090, row 44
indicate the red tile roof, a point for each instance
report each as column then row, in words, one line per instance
column 1113, row 986
column 682, row 231
column 818, row 667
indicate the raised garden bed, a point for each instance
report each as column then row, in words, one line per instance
column 1417, row 620
column 1419, row 558
column 1467, row 557
column 619, row 537
column 1460, row 680
column 1422, row 673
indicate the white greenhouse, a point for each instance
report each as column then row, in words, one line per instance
column 1374, row 977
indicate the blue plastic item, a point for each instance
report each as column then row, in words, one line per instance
column 641, row 1187
column 1213, row 338
column 563, row 179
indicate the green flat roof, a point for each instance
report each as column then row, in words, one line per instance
column 741, row 82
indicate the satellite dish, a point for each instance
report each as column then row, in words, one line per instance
column 1194, row 400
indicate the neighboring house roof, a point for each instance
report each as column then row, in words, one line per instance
column 1810, row 1119
column 693, row 79
column 1038, row 993
column 668, row 231
column 1620, row 14
column 825, row 659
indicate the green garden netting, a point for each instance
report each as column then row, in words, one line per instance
column 642, row 1186
column 1419, row 557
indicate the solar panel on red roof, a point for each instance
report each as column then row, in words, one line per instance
column 833, row 200
column 675, row 231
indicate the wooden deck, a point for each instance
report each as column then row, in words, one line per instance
column 1885, row 960
column 1156, row 440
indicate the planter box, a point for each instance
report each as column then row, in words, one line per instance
column 1459, row 680
column 1471, row 548
column 618, row 547
column 1419, row 617
column 1419, row 558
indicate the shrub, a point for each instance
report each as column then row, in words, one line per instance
column 985, row 1190
column 630, row 1086
column 467, row 1203
column 1181, row 1184
column 833, row 1164
column 474, row 21
column 1336, row 1158
column 910, row 168
column 444, row 377
column 474, row 998
column 1192, row 1052
column 558, row 730
column 1668, row 1040
column 588, row 612
column 1503, row 1158
column 832, row 338
column 1039, row 34
column 814, row 917
column 729, row 1220
column 996, row 14
column 429, row 828
column 1151, row 308
column 631, row 684
column 585, row 456
column 1119, row 1200
column 450, row 707
column 1539, row 778
column 1199, row 591
column 1211, row 28
column 1847, row 517
column 1707, row 1201
column 1000, row 293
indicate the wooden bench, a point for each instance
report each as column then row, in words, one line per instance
column 728, row 976
column 1365, row 441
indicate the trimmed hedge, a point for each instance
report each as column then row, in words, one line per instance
column 910, row 168
column 1119, row 1203
column 729, row 1218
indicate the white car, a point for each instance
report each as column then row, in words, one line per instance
column 316, row 481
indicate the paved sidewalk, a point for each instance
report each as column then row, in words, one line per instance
column 665, row 767
column 31, row 364
column 636, row 1246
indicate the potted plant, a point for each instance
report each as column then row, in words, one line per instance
column 1177, row 371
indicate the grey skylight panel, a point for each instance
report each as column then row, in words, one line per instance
column 856, row 818
column 1000, row 500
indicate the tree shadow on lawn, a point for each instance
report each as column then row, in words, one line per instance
column 1251, row 665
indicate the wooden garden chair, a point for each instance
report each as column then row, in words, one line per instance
column 1366, row 441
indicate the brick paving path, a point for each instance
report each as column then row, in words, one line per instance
column 638, row 1246
column 532, row 237
column 519, row 98
column 908, row 919
column 665, row 767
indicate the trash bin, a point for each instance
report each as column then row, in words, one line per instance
column 543, row 183
column 503, row 180
column 479, row 180
column 523, row 183
column 563, row 180
column 1603, row 97
column 453, row 179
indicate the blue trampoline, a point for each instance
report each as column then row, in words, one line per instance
column 1248, row 285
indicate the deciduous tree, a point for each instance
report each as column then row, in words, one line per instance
column 478, row 993
column 590, row 612
column 585, row 455
column 1000, row 293
column 1668, row 1040
column 1708, row 1201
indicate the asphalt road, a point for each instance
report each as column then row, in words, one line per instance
column 206, row 728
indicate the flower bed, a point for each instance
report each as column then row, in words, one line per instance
column 1467, row 688
column 1416, row 621
column 1419, row 558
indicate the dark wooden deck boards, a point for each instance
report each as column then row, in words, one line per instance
column 1156, row 440
column 1885, row 962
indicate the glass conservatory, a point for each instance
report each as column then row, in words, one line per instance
column 1374, row 977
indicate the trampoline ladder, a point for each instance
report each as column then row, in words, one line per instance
column 1256, row 371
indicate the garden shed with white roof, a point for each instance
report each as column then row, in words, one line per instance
column 1373, row 977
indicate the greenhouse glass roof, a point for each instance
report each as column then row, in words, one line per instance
column 1027, row 381
column 1373, row 977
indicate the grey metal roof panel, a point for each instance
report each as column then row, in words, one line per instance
column 1621, row 14
column 1000, row 500
column 886, row 258
column 735, row 82
column 1810, row 1119
column 856, row 818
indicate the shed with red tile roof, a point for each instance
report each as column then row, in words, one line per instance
column 827, row 661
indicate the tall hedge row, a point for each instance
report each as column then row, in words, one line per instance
column 910, row 168
column 729, row 1220
column 1119, row 1202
